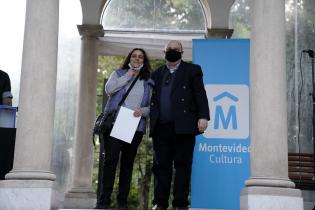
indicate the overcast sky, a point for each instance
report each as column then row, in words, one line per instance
column 12, row 17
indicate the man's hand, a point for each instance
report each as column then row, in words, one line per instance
column 7, row 101
column 202, row 125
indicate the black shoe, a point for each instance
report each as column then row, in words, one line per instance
column 180, row 208
column 102, row 207
column 156, row 207
column 123, row 208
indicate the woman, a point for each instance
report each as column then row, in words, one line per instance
column 138, row 100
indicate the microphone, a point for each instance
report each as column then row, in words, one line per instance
column 309, row 52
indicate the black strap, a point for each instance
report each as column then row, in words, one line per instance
column 123, row 99
column 129, row 89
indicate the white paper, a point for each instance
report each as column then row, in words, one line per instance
column 125, row 125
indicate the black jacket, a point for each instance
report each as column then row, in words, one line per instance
column 5, row 85
column 188, row 98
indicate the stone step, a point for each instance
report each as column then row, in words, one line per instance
column 114, row 209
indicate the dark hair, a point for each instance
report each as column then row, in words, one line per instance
column 145, row 71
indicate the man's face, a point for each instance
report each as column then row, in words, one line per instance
column 174, row 45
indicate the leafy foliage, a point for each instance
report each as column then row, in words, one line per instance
column 240, row 18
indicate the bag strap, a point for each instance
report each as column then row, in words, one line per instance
column 122, row 101
column 129, row 89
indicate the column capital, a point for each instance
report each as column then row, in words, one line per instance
column 219, row 33
column 91, row 30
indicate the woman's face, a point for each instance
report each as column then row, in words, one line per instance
column 137, row 58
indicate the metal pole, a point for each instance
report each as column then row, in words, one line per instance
column 313, row 100
column 311, row 55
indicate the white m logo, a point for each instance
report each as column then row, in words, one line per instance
column 229, row 110
column 231, row 113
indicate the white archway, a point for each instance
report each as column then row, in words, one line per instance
column 117, row 42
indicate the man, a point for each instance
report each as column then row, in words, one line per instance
column 5, row 89
column 179, row 112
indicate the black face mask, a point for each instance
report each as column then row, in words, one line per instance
column 173, row 55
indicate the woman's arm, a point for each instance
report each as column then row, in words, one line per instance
column 116, row 83
column 144, row 111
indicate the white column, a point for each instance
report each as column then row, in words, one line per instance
column 216, row 14
column 81, row 195
column 268, row 187
column 29, row 184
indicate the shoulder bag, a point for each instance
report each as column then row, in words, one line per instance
column 105, row 121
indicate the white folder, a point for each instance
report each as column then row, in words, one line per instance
column 125, row 125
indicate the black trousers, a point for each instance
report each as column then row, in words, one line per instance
column 171, row 148
column 114, row 149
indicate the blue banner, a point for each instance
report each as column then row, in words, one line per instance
column 222, row 154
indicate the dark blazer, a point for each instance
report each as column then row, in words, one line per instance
column 188, row 98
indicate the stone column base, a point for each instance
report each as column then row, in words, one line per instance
column 309, row 199
column 203, row 209
column 80, row 200
column 27, row 194
column 271, row 198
